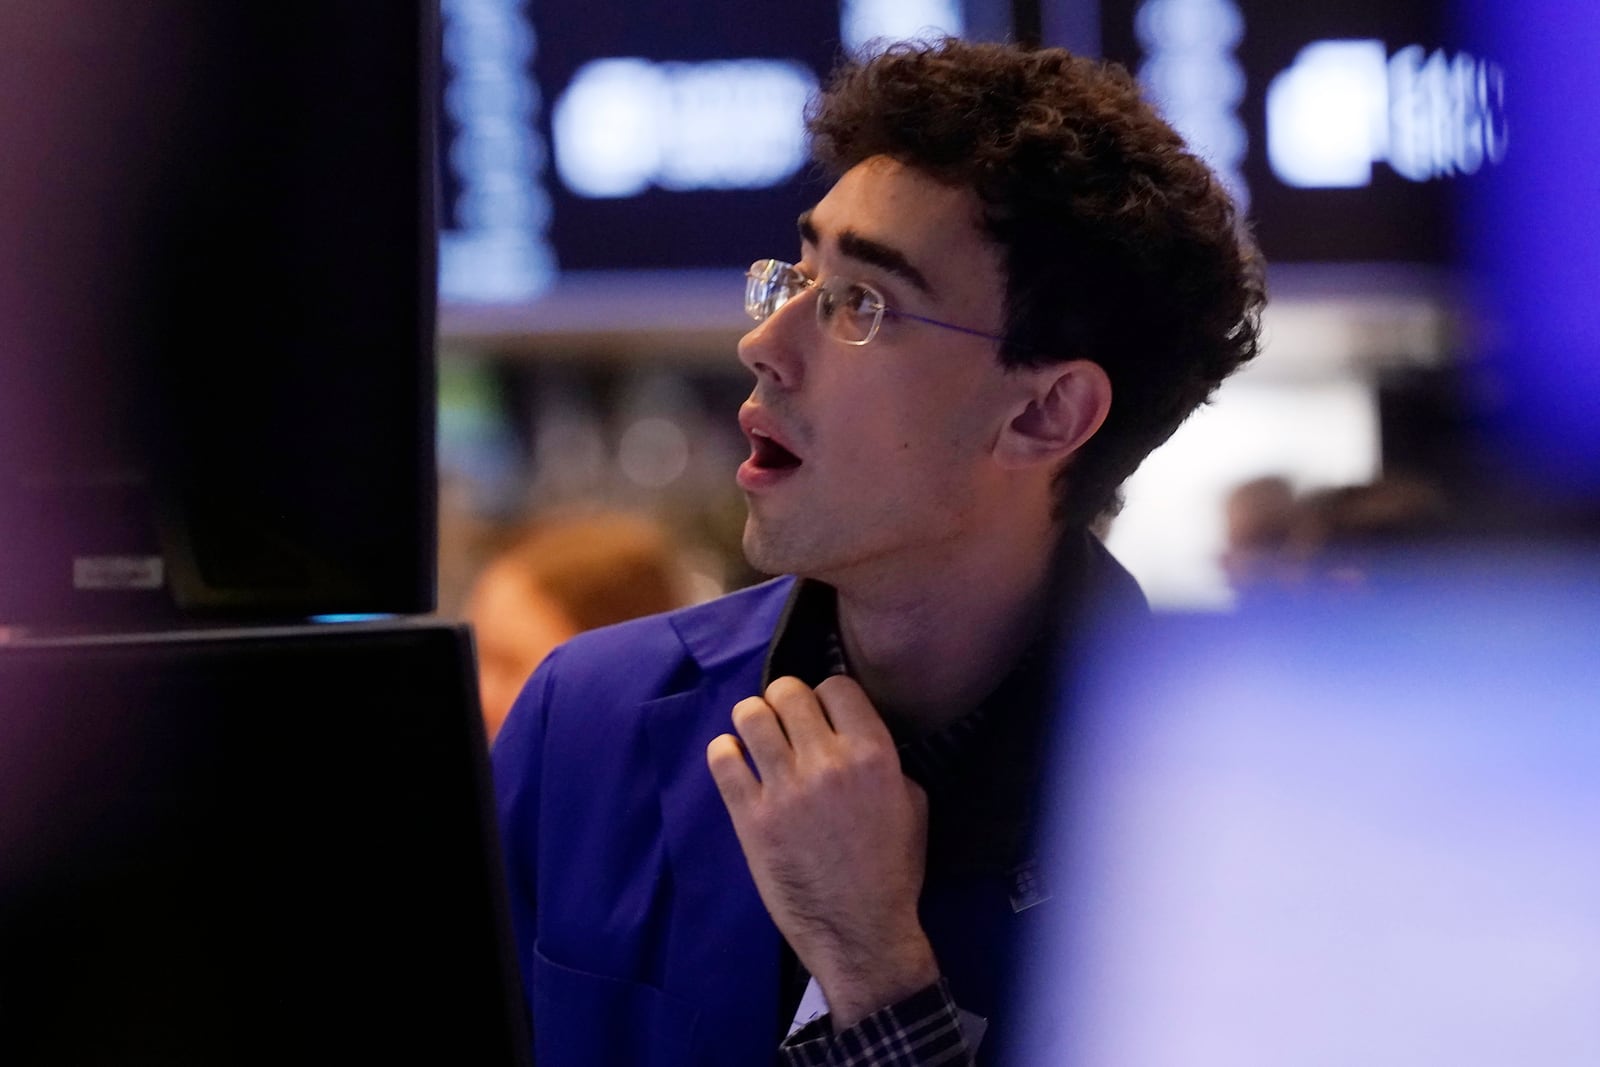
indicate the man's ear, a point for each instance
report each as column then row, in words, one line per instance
column 1065, row 403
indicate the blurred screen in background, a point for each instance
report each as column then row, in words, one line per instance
column 668, row 136
column 1355, row 829
column 1342, row 127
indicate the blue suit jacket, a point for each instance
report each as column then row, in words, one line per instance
column 640, row 934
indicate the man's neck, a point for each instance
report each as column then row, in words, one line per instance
column 929, row 650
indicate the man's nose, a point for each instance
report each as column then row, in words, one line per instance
column 775, row 350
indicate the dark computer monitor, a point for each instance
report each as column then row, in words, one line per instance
column 251, row 846
column 216, row 310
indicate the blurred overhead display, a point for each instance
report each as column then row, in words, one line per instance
column 576, row 138
column 1346, row 128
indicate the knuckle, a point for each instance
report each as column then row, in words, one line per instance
column 762, row 820
column 748, row 711
column 876, row 763
column 721, row 749
column 851, row 768
column 839, row 685
column 873, row 751
column 786, row 689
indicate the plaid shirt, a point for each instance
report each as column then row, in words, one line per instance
column 923, row 1030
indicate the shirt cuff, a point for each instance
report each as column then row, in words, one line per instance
column 923, row 1030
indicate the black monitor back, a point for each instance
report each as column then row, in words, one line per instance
column 268, row 846
column 217, row 281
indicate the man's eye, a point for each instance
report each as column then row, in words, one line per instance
column 859, row 300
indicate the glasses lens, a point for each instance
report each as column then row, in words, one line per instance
column 850, row 311
column 765, row 288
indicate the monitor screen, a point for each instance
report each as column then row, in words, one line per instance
column 217, row 279
column 267, row 846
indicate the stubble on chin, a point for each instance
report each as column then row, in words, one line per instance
column 758, row 551
column 773, row 548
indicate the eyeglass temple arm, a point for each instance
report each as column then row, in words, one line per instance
column 945, row 325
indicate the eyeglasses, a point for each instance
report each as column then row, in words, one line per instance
column 847, row 311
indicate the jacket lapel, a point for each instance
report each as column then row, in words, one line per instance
column 722, row 950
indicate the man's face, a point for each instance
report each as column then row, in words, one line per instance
column 876, row 459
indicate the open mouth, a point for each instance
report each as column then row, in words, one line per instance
column 768, row 454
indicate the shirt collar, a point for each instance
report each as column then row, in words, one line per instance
column 806, row 642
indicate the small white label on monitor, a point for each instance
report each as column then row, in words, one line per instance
column 118, row 572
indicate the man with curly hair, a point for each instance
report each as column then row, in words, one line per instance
column 798, row 821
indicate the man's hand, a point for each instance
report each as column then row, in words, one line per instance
column 835, row 836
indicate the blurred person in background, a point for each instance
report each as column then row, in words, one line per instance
column 1258, row 517
column 1340, row 534
column 558, row 577
column 1327, row 539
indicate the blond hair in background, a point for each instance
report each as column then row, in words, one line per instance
column 558, row 577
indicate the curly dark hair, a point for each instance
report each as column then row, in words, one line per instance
column 1120, row 246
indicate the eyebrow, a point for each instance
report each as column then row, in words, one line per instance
column 867, row 250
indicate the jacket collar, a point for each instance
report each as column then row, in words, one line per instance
column 731, row 627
